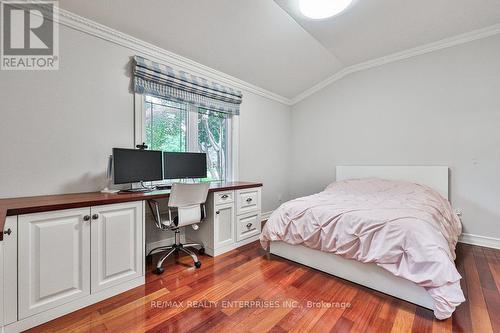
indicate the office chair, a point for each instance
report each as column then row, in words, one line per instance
column 186, row 207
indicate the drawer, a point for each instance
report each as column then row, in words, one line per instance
column 247, row 225
column 247, row 200
column 223, row 197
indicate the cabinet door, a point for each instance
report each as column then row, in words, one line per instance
column 54, row 259
column 224, row 225
column 117, row 251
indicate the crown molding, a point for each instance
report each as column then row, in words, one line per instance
column 101, row 31
column 439, row 45
column 93, row 28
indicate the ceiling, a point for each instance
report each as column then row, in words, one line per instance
column 253, row 40
column 271, row 45
column 370, row 29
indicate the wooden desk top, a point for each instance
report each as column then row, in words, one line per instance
column 44, row 203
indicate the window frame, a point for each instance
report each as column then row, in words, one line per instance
column 232, row 133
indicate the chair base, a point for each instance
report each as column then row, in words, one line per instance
column 175, row 248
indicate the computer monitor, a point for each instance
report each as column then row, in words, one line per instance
column 184, row 165
column 131, row 165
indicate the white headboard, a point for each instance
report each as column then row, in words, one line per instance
column 435, row 177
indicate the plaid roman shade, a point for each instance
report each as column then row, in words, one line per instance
column 163, row 81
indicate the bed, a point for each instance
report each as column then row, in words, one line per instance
column 390, row 228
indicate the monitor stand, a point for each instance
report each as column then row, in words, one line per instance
column 163, row 187
column 142, row 189
column 182, row 180
column 136, row 190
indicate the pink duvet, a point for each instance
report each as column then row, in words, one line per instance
column 408, row 229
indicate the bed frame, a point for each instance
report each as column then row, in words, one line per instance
column 370, row 275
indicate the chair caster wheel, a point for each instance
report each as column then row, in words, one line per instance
column 149, row 259
column 201, row 251
column 159, row 270
column 197, row 264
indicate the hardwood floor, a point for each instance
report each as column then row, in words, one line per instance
column 248, row 291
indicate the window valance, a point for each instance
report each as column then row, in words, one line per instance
column 163, row 81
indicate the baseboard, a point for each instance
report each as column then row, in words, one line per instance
column 227, row 248
column 480, row 240
column 265, row 216
column 66, row 308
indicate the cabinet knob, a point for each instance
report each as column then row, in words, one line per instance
column 86, row 218
column 225, row 196
column 249, row 199
column 95, row 216
column 217, row 212
column 249, row 225
column 7, row 232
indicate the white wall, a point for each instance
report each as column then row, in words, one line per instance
column 264, row 147
column 58, row 127
column 441, row 108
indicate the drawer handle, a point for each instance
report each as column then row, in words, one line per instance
column 249, row 225
column 86, row 218
column 249, row 200
column 7, row 232
column 225, row 196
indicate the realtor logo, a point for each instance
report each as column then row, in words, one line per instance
column 29, row 35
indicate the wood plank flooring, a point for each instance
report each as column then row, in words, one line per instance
column 247, row 290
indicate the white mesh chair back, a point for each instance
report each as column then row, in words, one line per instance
column 183, row 195
column 187, row 199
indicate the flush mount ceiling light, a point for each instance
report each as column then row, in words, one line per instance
column 320, row 9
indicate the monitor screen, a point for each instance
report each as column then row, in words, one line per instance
column 131, row 165
column 184, row 165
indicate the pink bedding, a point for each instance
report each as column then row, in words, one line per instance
column 408, row 229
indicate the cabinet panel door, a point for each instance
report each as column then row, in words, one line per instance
column 224, row 225
column 54, row 259
column 116, row 244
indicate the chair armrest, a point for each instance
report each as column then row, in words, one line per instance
column 154, row 206
column 203, row 212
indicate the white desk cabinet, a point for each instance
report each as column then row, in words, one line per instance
column 233, row 220
column 56, row 259
column 69, row 259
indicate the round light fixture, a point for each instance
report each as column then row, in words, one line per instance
column 320, row 9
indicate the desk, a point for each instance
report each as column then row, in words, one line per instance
column 45, row 203
column 63, row 252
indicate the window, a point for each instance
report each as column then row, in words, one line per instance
column 180, row 127
column 165, row 125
